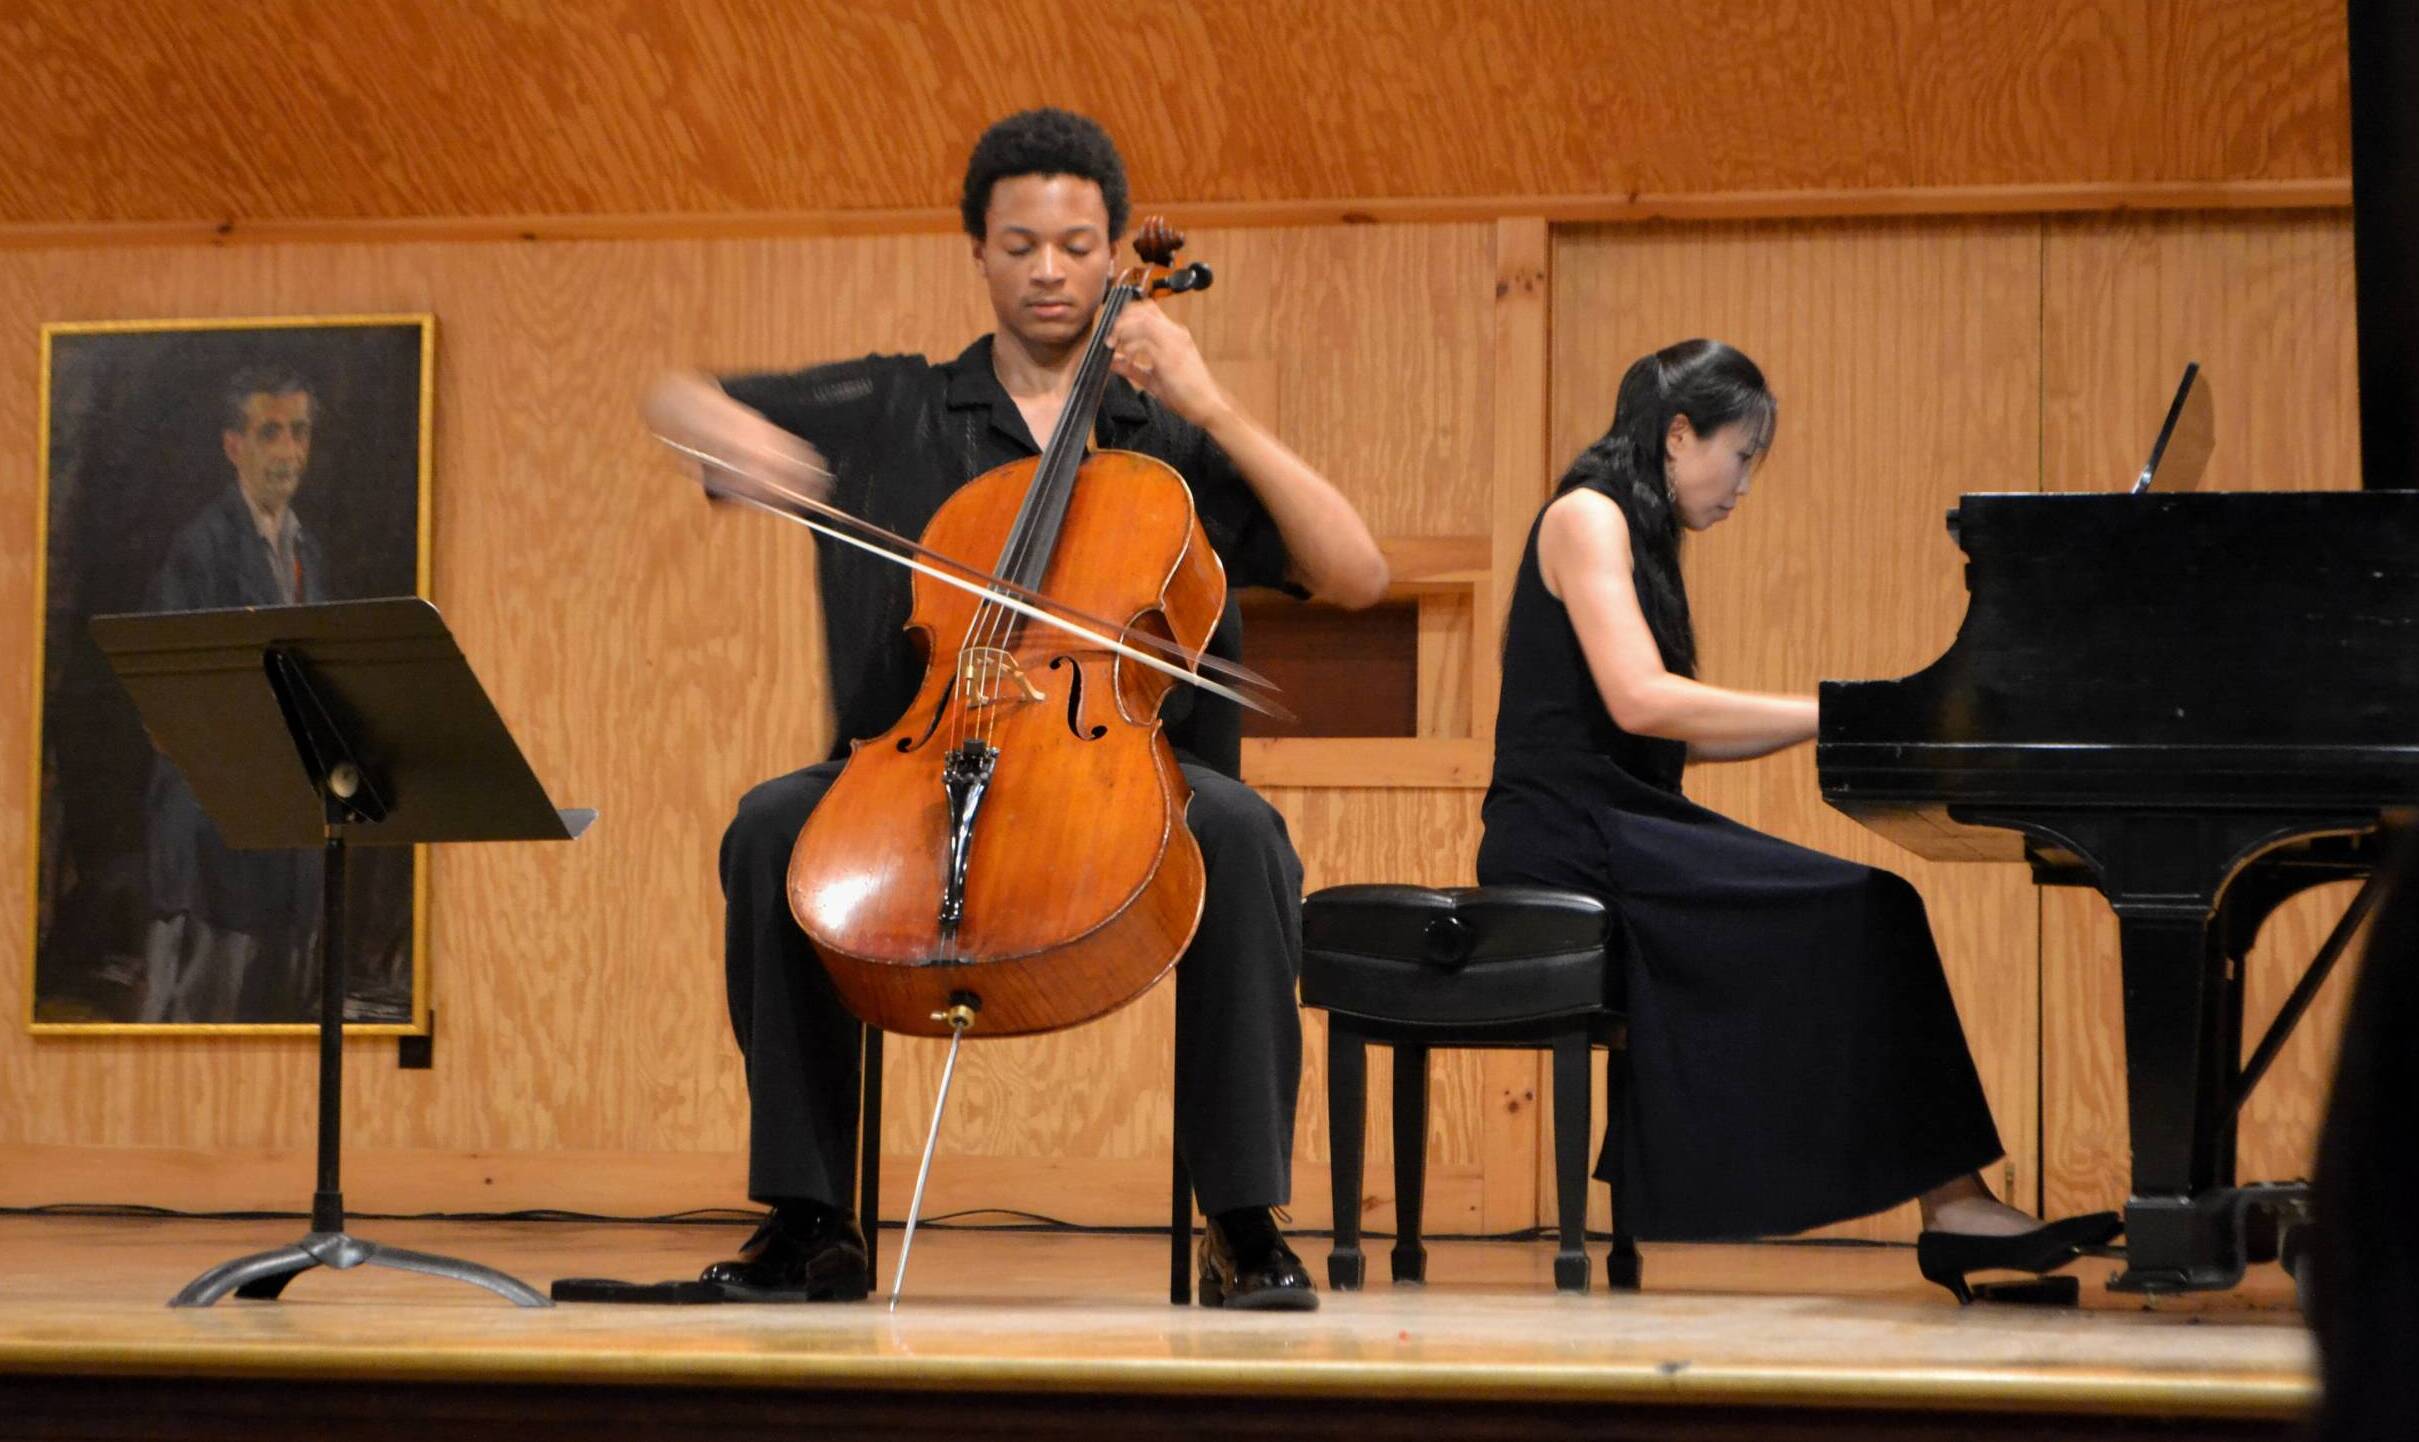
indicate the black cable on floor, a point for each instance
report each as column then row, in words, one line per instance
column 1018, row 1221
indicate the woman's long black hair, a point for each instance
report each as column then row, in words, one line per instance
column 1711, row 384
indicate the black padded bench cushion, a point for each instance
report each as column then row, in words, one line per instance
column 1460, row 954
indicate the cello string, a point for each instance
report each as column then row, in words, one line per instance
column 1045, row 510
column 1040, row 520
column 1034, row 536
column 1090, row 386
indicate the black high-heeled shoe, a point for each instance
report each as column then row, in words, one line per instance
column 1946, row 1257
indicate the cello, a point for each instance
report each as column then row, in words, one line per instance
column 1014, row 847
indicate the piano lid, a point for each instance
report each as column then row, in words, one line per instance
column 2247, row 657
column 2278, row 620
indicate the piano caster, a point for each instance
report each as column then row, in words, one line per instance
column 2205, row 1242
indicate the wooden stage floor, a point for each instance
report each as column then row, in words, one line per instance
column 1055, row 1334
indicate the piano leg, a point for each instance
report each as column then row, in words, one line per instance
column 2183, row 1042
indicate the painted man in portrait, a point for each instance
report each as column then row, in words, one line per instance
column 232, row 935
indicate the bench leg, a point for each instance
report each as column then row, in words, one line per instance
column 1570, row 1159
column 1347, row 1116
column 1410, row 1160
column 1623, row 1272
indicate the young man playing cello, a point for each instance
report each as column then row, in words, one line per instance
column 1044, row 203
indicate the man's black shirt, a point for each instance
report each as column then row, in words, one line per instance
column 903, row 435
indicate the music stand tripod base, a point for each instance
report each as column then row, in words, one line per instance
column 263, row 1275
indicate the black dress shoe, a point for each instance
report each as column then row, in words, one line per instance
column 1946, row 1257
column 814, row 1258
column 1245, row 1263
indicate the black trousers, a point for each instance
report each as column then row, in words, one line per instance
column 1238, row 1026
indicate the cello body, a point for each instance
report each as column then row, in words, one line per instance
column 1069, row 883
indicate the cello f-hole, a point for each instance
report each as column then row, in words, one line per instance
column 938, row 711
column 1075, row 700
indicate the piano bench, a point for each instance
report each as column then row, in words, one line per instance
column 1416, row 967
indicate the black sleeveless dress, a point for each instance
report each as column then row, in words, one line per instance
column 1795, row 1055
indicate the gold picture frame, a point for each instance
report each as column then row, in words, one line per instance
column 168, row 449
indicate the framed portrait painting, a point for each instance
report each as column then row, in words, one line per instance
column 193, row 465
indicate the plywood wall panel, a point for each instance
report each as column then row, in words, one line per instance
column 145, row 110
column 1370, row 340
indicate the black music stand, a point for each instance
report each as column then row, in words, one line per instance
column 397, row 744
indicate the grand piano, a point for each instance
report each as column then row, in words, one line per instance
column 2199, row 704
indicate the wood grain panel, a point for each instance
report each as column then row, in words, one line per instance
column 657, row 657
column 1905, row 202
column 1369, row 338
column 2265, row 305
column 1521, row 424
column 146, row 110
column 1419, row 763
column 1905, row 358
column 1447, row 641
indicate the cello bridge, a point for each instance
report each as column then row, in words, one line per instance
column 987, row 675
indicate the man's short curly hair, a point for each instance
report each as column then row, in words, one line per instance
column 1043, row 142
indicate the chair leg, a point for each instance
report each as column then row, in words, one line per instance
column 1623, row 1271
column 869, row 1146
column 1570, row 1159
column 1180, row 1234
column 1347, row 1116
column 1180, row 1204
column 1410, row 1160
